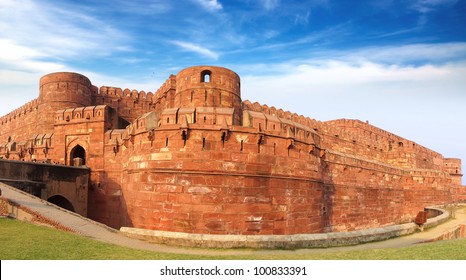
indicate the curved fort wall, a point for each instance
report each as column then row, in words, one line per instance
column 195, row 158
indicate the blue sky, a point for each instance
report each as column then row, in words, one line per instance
column 401, row 64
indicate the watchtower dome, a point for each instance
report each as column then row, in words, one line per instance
column 209, row 86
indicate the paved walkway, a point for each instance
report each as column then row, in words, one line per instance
column 103, row 233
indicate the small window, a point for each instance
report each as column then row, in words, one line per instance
column 206, row 76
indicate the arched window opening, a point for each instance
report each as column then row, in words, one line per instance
column 61, row 202
column 206, row 76
column 78, row 156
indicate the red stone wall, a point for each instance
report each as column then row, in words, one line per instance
column 362, row 194
column 209, row 186
column 128, row 104
column 19, row 124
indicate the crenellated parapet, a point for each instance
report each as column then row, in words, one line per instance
column 129, row 104
column 393, row 146
column 280, row 113
column 168, row 86
column 19, row 113
column 80, row 114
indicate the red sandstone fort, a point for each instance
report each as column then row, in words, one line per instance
column 193, row 157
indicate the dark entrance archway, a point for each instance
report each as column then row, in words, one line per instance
column 61, row 202
column 78, row 152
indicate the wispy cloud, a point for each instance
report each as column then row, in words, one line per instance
column 426, row 6
column 54, row 33
column 210, row 5
column 400, row 99
column 187, row 46
column 408, row 54
column 151, row 7
column 270, row 4
column 303, row 18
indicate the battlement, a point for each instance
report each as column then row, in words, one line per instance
column 167, row 86
column 280, row 113
column 18, row 113
column 122, row 94
column 391, row 144
column 80, row 114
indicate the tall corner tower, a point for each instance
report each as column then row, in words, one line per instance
column 209, row 86
column 60, row 91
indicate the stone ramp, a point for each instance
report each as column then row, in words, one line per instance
column 24, row 206
column 28, row 207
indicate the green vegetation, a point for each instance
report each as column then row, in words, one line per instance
column 20, row 240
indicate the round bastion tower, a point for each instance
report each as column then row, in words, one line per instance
column 60, row 91
column 209, row 86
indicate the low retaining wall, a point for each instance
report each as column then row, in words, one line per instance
column 321, row 240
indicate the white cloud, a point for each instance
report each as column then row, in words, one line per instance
column 424, row 103
column 210, row 5
column 38, row 31
column 403, row 54
column 302, row 18
column 270, row 4
column 427, row 6
column 196, row 49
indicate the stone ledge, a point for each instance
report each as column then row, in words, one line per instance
column 319, row 240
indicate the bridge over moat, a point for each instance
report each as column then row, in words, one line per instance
column 64, row 186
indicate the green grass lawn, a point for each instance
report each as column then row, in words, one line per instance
column 24, row 241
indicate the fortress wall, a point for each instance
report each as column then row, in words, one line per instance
column 453, row 167
column 279, row 113
column 210, row 186
column 106, row 202
column 129, row 104
column 164, row 95
column 20, row 124
column 362, row 194
column 396, row 147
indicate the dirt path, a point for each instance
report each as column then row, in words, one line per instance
column 103, row 233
